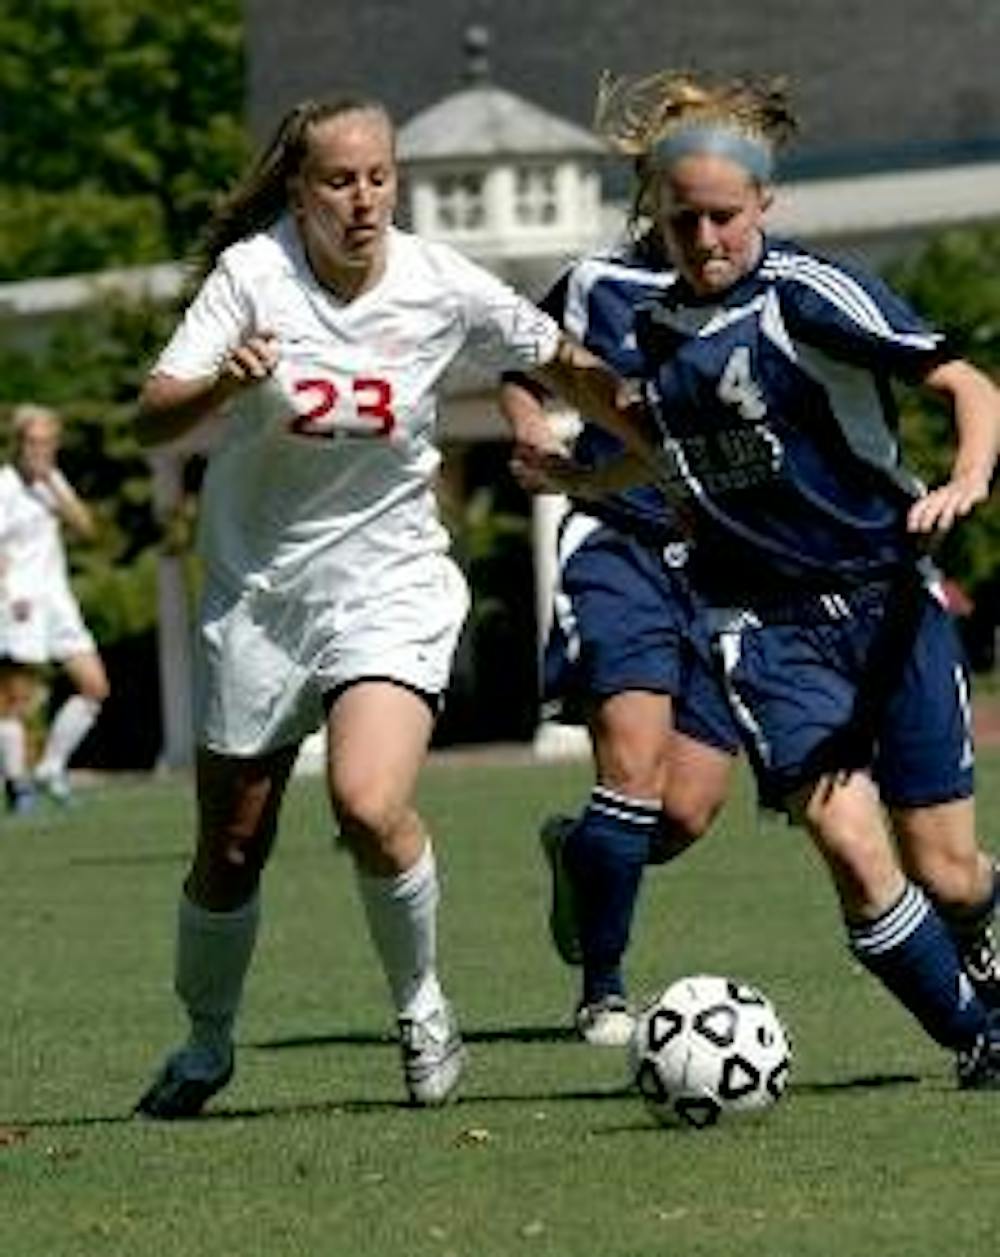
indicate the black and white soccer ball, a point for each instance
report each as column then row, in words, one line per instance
column 707, row 1047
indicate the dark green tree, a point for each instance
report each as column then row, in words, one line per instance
column 122, row 120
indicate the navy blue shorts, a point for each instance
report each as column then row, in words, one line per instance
column 795, row 690
column 624, row 619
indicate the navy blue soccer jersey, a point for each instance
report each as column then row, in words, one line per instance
column 596, row 302
column 775, row 402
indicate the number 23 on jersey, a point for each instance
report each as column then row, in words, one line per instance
column 366, row 411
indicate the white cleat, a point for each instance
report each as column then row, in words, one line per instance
column 607, row 1022
column 55, row 786
column 433, row 1056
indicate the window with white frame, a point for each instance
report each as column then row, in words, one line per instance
column 459, row 201
column 535, row 201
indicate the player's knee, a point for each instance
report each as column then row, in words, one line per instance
column 688, row 815
column 226, row 878
column 228, row 864
column 957, row 881
column 370, row 817
column 96, row 689
column 98, row 693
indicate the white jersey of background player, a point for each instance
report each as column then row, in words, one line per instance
column 38, row 611
column 40, row 619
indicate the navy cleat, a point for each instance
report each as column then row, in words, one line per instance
column 977, row 951
column 563, row 925
column 21, row 797
column 187, row 1081
column 978, row 1066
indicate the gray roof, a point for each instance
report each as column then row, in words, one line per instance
column 485, row 121
column 879, row 85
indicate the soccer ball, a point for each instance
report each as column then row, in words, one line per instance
column 708, row 1046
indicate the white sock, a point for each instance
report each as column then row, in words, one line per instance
column 13, row 749
column 212, row 959
column 402, row 919
column 73, row 721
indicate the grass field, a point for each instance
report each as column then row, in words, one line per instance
column 311, row 1151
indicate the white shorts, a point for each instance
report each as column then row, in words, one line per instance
column 266, row 660
column 52, row 631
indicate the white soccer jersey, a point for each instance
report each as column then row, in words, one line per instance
column 40, row 618
column 32, row 557
column 327, row 467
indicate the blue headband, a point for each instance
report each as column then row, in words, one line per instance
column 751, row 154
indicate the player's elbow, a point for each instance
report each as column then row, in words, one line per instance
column 161, row 401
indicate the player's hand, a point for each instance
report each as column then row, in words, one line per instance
column 938, row 510
column 250, row 362
column 546, row 471
column 20, row 609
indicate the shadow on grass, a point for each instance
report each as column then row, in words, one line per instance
column 363, row 1038
column 865, row 1082
column 21, row 1130
column 361, row 1105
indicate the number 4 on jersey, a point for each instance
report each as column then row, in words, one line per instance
column 738, row 388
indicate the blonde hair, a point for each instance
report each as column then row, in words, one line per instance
column 23, row 416
column 634, row 115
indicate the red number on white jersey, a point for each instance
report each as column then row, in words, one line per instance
column 371, row 414
column 377, row 403
column 315, row 421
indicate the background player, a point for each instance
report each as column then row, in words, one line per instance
column 329, row 597
column 40, row 620
column 628, row 650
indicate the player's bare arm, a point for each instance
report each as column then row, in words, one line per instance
column 540, row 471
column 522, row 404
column 170, row 407
column 976, row 403
column 73, row 511
column 592, row 388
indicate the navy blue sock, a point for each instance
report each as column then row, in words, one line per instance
column 911, row 952
column 605, row 855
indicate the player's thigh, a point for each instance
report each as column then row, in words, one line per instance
column 696, row 781
column 379, row 731
column 87, row 672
